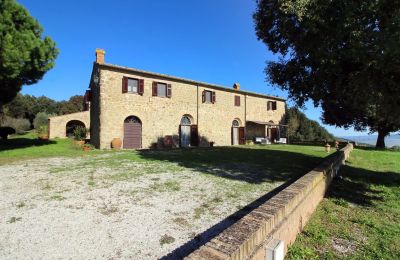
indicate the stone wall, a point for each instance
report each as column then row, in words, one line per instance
column 161, row 116
column 281, row 217
column 58, row 124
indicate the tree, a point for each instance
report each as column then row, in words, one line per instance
column 343, row 55
column 300, row 128
column 73, row 105
column 25, row 56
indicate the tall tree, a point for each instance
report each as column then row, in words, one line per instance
column 25, row 55
column 344, row 55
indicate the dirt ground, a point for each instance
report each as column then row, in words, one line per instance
column 103, row 207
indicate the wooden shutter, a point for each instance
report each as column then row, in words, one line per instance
column 141, row 87
column 124, row 85
column 169, row 90
column 242, row 137
column 273, row 105
column 194, row 135
column 213, row 97
column 269, row 105
column 154, row 88
column 237, row 101
column 204, row 96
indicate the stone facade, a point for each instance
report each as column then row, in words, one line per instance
column 58, row 124
column 161, row 116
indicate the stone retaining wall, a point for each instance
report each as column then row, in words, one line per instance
column 281, row 217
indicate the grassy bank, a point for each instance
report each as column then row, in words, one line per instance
column 359, row 219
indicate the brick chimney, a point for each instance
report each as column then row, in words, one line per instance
column 236, row 86
column 100, row 56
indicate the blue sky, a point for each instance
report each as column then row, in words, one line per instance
column 208, row 40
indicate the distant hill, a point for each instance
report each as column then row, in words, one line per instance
column 300, row 128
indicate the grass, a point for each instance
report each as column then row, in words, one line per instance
column 28, row 146
column 359, row 219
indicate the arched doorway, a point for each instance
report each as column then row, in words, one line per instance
column 71, row 126
column 235, row 131
column 184, row 131
column 132, row 133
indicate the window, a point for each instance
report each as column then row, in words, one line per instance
column 185, row 120
column 271, row 105
column 131, row 85
column 235, row 123
column 162, row 89
column 237, row 101
column 208, row 96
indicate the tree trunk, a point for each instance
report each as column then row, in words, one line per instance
column 380, row 142
column 1, row 115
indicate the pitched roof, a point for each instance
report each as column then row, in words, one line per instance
column 116, row 67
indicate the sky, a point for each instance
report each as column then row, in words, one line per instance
column 210, row 41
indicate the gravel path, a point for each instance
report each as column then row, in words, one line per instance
column 83, row 208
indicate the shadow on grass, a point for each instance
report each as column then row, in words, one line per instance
column 242, row 164
column 354, row 185
column 201, row 239
column 18, row 143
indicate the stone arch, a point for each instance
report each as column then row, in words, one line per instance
column 71, row 125
column 58, row 124
column 236, row 122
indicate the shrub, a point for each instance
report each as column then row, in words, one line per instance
column 43, row 131
column 20, row 125
column 80, row 133
column 41, row 119
column 5, row 131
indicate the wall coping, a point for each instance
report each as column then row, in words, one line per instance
column 244, row 238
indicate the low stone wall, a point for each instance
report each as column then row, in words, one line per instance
column 58, row 124
column 281, row 217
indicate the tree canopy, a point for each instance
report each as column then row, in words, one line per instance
column 300, row 128
column 343, row 55
column 25, row 55
column 27, row 106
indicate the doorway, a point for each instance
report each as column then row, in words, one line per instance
column 132, row 133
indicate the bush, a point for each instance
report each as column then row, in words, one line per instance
column 41, row 119
column 20, row 125
column 6, row 131
column 80, row 133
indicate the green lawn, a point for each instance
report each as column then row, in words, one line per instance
column 28, row 146
column 360, row 218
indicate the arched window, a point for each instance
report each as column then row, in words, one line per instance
column 132, row 119
column 235, row 123
column 185, row 120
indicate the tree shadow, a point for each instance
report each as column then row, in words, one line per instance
column 354, row 185
column 19, row 143
column 242, row 164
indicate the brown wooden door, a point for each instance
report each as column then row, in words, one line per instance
column 132, row 135
column 242, row 136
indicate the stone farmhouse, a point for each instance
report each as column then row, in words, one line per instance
column 145, row 110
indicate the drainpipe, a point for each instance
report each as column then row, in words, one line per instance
column 197, row 107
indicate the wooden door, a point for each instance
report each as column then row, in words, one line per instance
column 273, row 134
column 242, row 136
column 132, row 135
